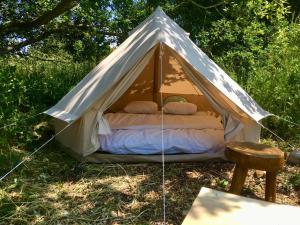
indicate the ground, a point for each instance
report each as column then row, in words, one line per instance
column 53, row 188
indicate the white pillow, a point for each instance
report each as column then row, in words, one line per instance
column 142, row 107
column 181, row 108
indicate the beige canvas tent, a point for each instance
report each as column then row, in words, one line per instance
column 157, row 59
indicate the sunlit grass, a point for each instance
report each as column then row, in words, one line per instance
column 53, row 188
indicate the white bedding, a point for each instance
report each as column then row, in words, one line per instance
column 201, row 120
column 149, row 141
column 142, row 133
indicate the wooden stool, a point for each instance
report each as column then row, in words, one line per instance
column 249, row 155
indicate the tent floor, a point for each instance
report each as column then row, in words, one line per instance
column 99, row 157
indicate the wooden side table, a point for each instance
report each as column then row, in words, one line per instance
column 249, row 155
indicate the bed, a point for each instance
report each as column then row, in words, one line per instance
column 145, row 134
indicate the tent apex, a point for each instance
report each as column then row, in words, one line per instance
column 159, row 12
column 158, row 9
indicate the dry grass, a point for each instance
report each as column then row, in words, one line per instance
column 53, row 188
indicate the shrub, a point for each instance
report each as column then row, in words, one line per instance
column 29, row 87
column 275, row 81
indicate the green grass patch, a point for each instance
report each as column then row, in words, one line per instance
column 53, row 188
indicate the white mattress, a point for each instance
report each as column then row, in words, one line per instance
column 143, row 134
column 149, row 141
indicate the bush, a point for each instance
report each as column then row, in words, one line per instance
column 275, row 81
column 29, row 87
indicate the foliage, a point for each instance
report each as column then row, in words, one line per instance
column 82, row 28
column 275, row 80
column 295, row 180
column 29, row 87
column 24, row 22
column 239, row 41
column 255, row 43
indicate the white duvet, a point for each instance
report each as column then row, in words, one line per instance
column 142, row 134
column 149, row 141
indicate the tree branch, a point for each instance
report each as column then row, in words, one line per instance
column 104, row 30
column 18, row 46
column 33, row 40
column 16, row 26
column 206, row 7
column 46, row 60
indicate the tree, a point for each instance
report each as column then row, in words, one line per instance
column 233, row 32
column 239, row 40
column 16, row 27
column 275, row 80
column 25, row 23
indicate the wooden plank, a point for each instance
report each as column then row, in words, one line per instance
column 213, row 207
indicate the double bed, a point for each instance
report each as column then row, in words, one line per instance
column 150, row 134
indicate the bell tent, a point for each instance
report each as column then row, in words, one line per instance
column 156, row 61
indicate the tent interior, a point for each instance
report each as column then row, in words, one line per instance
column 158, row 77
column 162, row 76
column 149, row 87
column 157, row 64
column 160, row 80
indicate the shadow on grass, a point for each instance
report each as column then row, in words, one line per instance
column 53, row 188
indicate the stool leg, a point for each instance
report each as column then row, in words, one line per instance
column 238, row 179
column 270, row 194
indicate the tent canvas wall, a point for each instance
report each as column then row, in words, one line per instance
column 147, row 57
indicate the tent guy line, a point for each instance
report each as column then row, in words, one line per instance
column 35, row 151
column 276, row 135
column 162, row 135
column 291, row 122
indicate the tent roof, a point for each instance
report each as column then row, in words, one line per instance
column 157, row 28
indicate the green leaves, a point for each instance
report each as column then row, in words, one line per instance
column 275, row 80
column 30, row 86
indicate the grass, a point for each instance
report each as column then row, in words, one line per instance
column 53, row 188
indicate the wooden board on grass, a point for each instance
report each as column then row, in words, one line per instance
column 213, row 207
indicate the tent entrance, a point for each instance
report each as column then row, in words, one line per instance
column 143, row 83
column 149, row 87
column 160, row 78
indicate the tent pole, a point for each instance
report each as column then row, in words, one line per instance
column 156, row 74
column 161, row 52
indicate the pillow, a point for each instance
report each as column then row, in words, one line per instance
column 174, row 98
column 144, row 107
column 181, row 108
